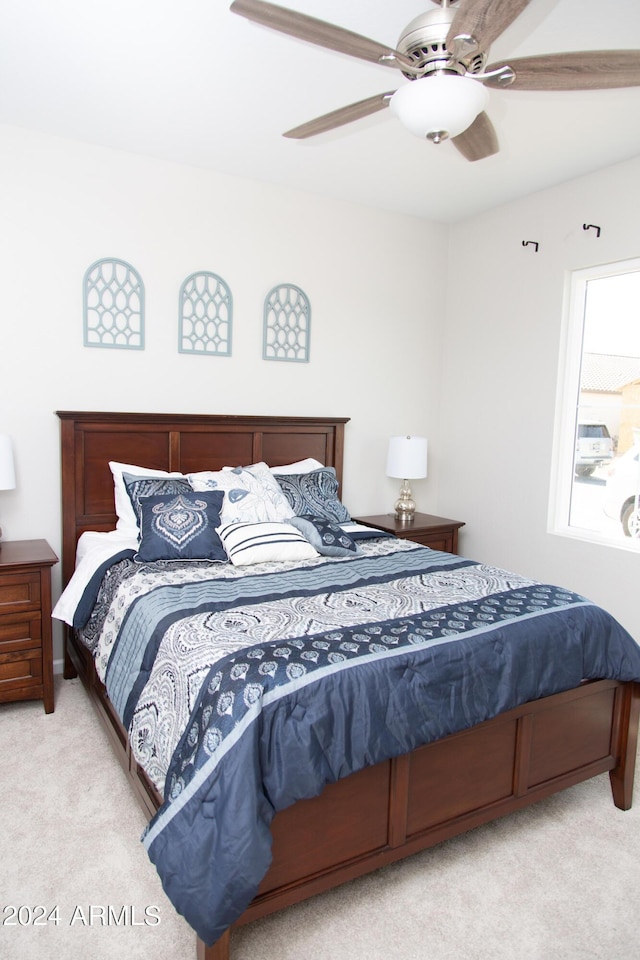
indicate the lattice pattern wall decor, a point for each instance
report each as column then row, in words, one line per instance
column 206, row 316
column 287, row 324
column 113, row 294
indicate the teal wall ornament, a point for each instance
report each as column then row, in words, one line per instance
column 206, row 316
column 287, row 324
column 113, row 302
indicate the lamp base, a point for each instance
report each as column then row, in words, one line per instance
column 405, row 506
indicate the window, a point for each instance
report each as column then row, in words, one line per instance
column 596, row 458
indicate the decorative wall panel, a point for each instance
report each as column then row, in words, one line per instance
column 113, row 296
column 206, row 316
column 287, row 324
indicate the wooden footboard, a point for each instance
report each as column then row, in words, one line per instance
column 396, row 808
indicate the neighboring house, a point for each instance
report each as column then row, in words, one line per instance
column 630, row 425
column 605, row 394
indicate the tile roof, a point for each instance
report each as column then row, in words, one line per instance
column 607, row 373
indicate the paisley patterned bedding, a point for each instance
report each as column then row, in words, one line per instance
column 246, row 689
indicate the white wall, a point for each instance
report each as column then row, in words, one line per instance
column 65, row 205
column 504, row 314
column 376, row 282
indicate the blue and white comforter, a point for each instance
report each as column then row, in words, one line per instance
column 246, row 689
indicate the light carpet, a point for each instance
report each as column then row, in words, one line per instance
column 558, row 881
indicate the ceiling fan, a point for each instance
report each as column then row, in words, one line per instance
column 444, row 52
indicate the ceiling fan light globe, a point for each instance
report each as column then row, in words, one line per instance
column 434, row 105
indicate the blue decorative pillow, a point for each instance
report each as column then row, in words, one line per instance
column 314, row 493
column 328, row 538
column 138, row 486
column 181, row 527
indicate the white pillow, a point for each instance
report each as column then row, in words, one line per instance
column 127, row 519
column 248, row 543
column 93, row 550
column 249, row 497
column 301, row 466
column 279, row 506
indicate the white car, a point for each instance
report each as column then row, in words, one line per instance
column 594, row 447
column 622, row 496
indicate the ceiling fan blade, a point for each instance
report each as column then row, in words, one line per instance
column 483, row 21
column 588, row 70
column 337, row 118
column 477, row 141
column 319, row 32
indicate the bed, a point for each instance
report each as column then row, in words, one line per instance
column 388, row 801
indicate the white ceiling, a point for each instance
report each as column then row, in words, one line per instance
column 186, row 80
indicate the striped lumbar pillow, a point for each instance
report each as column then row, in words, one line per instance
column 247, row 543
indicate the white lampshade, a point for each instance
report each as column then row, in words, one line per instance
column 441, row 106
column 407, row 458
column 7, row 468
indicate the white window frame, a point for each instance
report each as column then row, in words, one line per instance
column 568, row 402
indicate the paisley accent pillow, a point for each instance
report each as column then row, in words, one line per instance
column 181, row 527
column 124, row 509
column 314, row 493
column 328, row 538
column 138, row 487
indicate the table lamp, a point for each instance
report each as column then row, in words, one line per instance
column 406, row 460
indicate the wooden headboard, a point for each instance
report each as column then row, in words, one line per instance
column 182, row 442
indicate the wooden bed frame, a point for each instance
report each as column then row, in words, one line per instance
column 396, row 808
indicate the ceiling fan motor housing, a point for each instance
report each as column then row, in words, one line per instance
column 424, row 41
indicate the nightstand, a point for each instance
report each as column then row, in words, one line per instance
column 435, row 532
column 26, row 658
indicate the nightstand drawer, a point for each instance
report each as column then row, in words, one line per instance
column 436, row 543
column 18, row 633
column 21, row 669
column 19, row 592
